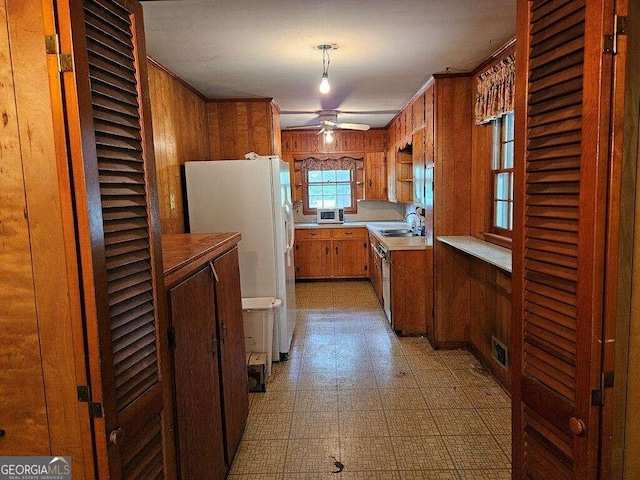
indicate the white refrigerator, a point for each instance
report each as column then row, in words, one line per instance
column 252, row 197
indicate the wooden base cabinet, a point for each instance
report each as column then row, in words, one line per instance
column 332, row 253
column 209, row 368
column 411, row 291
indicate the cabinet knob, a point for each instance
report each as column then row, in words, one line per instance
column 326, row 250
column 577, row 426
column 336, row 250
column 116, row 436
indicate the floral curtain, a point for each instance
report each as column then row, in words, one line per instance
column 495, row 91
column 342, row 163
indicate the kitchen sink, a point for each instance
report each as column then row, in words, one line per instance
column 398, row 232
column 408, row 234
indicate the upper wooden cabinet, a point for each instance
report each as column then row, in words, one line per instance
column 239, row 127
column 418, row 111
column 375, row 140
column 419, row 167
column 345, row 141
column 375, row 171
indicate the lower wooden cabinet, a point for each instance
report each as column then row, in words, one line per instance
column 411, row 291
column 209, row 365
column 332, row 253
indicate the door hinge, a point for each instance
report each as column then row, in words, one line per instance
column 84, row 393
column 597, row 395
column 95, row 410
column 65, row 61
column 171, row 336
column 619, row 28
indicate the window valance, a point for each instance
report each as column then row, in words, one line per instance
column 327, row 163
column 495, row 91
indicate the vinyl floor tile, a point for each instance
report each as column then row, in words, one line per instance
column 383, row 407
column 312, row 455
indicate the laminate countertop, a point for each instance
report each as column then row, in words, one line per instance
column 184, row 253
column 392, row 243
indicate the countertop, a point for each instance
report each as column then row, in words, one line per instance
column 392, row 243
column 490, row 253
column 184, row 253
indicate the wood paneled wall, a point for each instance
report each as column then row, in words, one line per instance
column 180, row 134
column 41, row 337
column 237, row 127
column 452, row 186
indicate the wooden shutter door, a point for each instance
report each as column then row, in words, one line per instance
column 109, row 135
column 559, row 249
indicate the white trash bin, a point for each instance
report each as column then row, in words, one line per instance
column 258, row 315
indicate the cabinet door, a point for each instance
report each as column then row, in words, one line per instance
column 232, row 353
column 391, row 174
column 350, row 258
column 197, row 378
column 418, row 168
column 108, row 129
column 375, row 176
column 312, row 258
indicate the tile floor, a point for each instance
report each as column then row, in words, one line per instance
column 387, row 408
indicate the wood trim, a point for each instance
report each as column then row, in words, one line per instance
column 156, row 63
column 620, row 442
column 517, row 277
column 236, row 100
column 505, row 242
column 155, row 244
column 507, row 49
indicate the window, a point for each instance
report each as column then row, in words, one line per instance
column 329, row 189
column 502, row 176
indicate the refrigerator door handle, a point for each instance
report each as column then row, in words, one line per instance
column 291, row 230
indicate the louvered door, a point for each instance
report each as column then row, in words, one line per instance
column 109, row 136
column 563, row 77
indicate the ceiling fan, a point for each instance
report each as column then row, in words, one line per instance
column 328, row 121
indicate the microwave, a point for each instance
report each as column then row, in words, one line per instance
column 330, row 215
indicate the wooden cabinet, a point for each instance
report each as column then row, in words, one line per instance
column 197, row 377
column 312, row 253
column 391, row 174
column 419, row 167
column 210, row 375
column 237, row 127
column 404, row 175
column 331, row 253
column 375, row 140
column 411, row 291
column 375, row 171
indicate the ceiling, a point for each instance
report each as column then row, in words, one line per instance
column 386, row 49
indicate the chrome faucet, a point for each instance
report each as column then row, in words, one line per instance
column 417, row 216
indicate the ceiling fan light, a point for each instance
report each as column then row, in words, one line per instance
column 324, row 84
column 328, row 136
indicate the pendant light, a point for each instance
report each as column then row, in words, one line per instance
column 325, row 87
